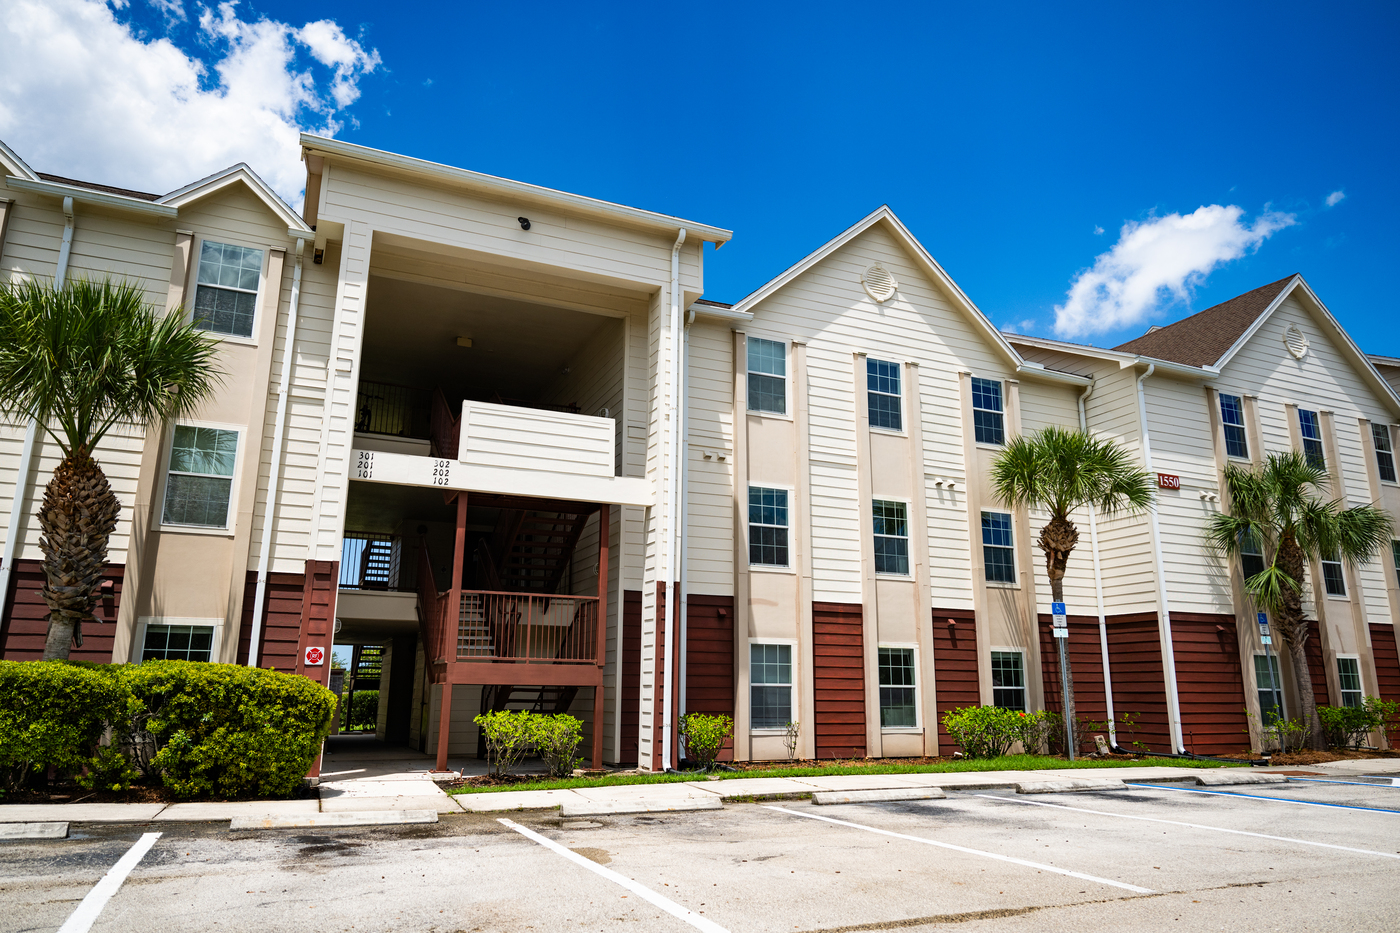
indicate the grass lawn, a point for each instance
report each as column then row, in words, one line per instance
column 1008, row 763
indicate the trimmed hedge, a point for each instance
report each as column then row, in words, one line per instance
column 202, row 728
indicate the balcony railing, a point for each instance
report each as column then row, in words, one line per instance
column 370, row 561
column 385, row 408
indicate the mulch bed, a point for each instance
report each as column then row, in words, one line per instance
column 1317, row 758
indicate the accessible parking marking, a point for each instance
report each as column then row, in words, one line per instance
column 81, row 920
column 1217, row 829
column 1393, row 783
column 956, row 848
column 1301, row 803
column 665, row 903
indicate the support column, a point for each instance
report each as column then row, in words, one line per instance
column 604, row 521
column 451, row 621
column 444, row 724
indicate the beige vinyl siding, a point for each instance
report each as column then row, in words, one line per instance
column 35, row 230
column 710, row 482
column 117, row 246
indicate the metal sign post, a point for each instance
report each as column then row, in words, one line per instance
column 1059, row 627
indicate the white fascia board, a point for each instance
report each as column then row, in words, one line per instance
column 232, row 175
column 17, row 166
column 1037, row 371
column 1076, row 349
column 1258, row 323
column 1167, row 367
column 720, row 314
column 1361, row 360
column 89, row 196
column 506, row 188
column 921, row 255
column 1379, row 360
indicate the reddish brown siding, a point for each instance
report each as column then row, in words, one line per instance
column 709, row 659
column 1317, row 667
column 281, row 628
column 838, row 679
column 1085, row 663
column 1387, row 668
column 27, row 617
column 631, row 676
column 318, row 615
column 1139, row 686
column 954, row 667
column 1210, row 683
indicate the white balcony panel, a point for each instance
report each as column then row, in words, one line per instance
column 508, row 437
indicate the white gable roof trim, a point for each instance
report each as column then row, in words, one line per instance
column 233, row 175
column 10, row 160
column 91, row 196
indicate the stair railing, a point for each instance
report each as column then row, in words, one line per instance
column 432, row 611
column 444, row 430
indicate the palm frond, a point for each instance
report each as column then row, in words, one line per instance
column 1060, row 470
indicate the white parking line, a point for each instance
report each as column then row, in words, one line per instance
column 992, row 855
column 1217, row 829
column 81, row 920
column 1392, row 783
column 666, row 904
column 1300, row 803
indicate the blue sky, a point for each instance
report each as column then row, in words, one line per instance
column 1015, row 140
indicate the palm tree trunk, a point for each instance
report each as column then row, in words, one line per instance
column 77, row 518
column 1057, row 540
column 1293, row 628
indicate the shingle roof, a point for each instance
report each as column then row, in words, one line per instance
column 124, row 192
column 1203, row 338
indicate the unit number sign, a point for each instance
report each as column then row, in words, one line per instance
column 364, row 465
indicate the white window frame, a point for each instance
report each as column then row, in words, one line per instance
column 918, row 727
column 972, row 398
column 1015, row 565
column 789, row 567
column 1342, row 572
column 1025, row 687
column 1390, row 452
column 786, row 413
column 193, row 287
column 791, row 644
column 1303, row 437
column 1276, row 671
column 903, row 428
column 908, row 536
column 1225, row 426
column 1360, row 691
column 138, row 648
column 227, row 530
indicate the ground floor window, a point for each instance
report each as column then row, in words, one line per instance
column 770, row 691
column 1270, row 688
column 897, row 709
column 177, row 642
column 1349, row 677
column 1009, row 680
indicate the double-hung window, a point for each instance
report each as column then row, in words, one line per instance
column 1270, row 688
column 882, row 389
column 767, row 376
column 1251, row 556
column 988, row 420
column 177, row 642
column 1312, row 437
column 226, row 291
column 770, row 686
column 1332, row 576
column 1395, row 559
column 1009, row 680
column 891, row 537
column 998, row 549
column 1385, row 454
column 200, row 482
column 897, row 709
column 1349, row 678
column 1232, row 417
column 768, row 526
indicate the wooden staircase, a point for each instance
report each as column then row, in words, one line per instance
column 548, row 700
column 474, row 638
column 530, row 551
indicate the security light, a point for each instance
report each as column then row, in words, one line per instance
column 524, row 223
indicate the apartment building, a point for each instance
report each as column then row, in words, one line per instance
column 450, row 432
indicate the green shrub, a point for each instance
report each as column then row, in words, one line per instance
column 1352, row 726
column 108, row 770
column 705, row 736
column 509, row 735
column 362, row 710
column 990, row 731
column 555, row 738
column 52, row 714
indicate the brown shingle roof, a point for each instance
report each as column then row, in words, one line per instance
column 1203, row 338
column 124, row 192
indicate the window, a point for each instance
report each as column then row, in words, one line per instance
column 768, row 526
column 1395, row 558
column 897, row 710
column 987, row 420
column 227, row 288
column 1332, row 575
column 1251, row 556
column 770, row 691
column 767, row 376
column 1385, row 455
column 1008, row 680
column 891, row 537
column 882, row 388
column 1270, row 687
column 1349, row 677
column 177, row 642
column 1312, row 437
column 200, row 481
column 997, row 549
column 1232, row 417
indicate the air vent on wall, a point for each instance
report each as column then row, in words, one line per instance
column 1296, row 342
column 879, row 284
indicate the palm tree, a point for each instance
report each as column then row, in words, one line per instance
column 1059, row 470
column 79, row 360
column 1276, row 510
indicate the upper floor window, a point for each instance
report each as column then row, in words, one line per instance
column 897, row 709
column 1251, row 556
column 998, row 551
column 200, row 481
column 891, row 537
column 882, row 388
column 1385, row 455
column 1009, row 680
column 1349, row 679
column 1232, row 417
column 1332, row 576
column 988, row 421
column 1312, row 437
column 767, row 376
column 227, row 288
column 768, row 526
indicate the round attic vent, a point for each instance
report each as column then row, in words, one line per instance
column 1296, row 342
column 879, row 284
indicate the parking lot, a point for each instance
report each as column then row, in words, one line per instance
column 1320, row 854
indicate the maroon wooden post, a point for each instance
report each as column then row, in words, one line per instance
column 451, row 626
column 600, row 624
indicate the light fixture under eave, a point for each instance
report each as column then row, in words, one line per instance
column 464, row 342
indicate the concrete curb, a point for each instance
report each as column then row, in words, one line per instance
column 1219, row 778
column 638, row 805
column 828, row 798
column 33, row 830
column 321, row 820
column 1064, row 787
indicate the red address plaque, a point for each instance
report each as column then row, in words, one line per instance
column 1168, row 481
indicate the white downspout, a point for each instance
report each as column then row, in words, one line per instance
column 1098, row 587
column 672, row 503
column 685, row 511
column 1169, row 655
column 31, row 433
column 278, row 431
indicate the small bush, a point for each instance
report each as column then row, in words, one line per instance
column 990, row 731
column 109, row 770
column 1279, row 735
column 509, row 735
column 52, row 715
column 705, row 736
column 362, row 710
column 556, row 738
column 1351, row 726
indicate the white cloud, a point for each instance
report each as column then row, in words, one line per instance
column 82, row 95
column 1335, row 197
column 1160, row 258
column 1098, row 231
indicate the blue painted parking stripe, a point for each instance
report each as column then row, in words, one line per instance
column 1302, row 803
column 1348, row 783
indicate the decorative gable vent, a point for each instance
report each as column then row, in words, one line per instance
column 1296, row 342
column 879, row 284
